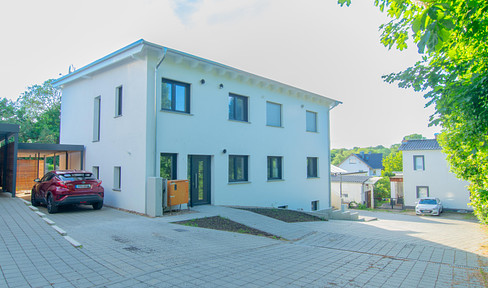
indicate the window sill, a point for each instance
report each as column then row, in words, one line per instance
column 116, row 189
column 316, row 132
column 276, row 180
column 117, row 116
column 239, row 182
column 239, row 121
column 176, row 112
column 95, row 141
column 274, row 126
column 313, row 177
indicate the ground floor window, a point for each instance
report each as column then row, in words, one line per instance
column 275, row 167
column 312, row 167
column 422, row 191
column 117, row 177
column 96, row 172
column 238, row 168
column 168, row 166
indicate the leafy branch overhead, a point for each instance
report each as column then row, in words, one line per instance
column 453, row 37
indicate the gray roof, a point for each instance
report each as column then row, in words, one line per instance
column 350, row 178
column 373, row 160
column 427, row 144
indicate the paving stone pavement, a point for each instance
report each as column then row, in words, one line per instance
column 121, row 249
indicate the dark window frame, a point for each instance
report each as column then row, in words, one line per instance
column 417, row 191
column 268, row 115
column 233, row 168
column 234, row 107
column 174, row 163
column 118, row 100
column 174, row 84
column 271, row 175
column 415, row 162
column 312, row 171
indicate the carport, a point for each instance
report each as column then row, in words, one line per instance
column 21, row 163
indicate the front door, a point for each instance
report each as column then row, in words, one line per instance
column 199, row 179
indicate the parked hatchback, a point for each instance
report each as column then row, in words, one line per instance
column 429, row 205
column 64, row 187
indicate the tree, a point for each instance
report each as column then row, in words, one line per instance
column 392, row 163
column 37, row 112
column 453, row 74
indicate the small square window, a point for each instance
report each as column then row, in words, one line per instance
column 422, row 191
column 118, row 101
column 238, row 107
column 96, row 172
column 315, row 205
column 273, row 114
column 312, row 167
column 117, row 177
column 311, row 121
column 352, row 160
column 238, row 168
column 275, row 168
column 175, row 96
column 418, row 162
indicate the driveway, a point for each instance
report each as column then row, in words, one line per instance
column 121, row 249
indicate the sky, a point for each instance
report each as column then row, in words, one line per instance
column 315, row 45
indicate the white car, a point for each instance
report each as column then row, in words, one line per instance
column 429, row 205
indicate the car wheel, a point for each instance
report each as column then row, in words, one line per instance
column 97, row 206
column 34, row 202
column 51, row 206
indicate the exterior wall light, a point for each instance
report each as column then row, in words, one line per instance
column 224, row 151
column 221, row 86
column 202, row 81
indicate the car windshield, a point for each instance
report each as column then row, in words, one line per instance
column 428, row 201
column 76, row 176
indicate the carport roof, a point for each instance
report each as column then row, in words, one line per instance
column 29, row 149
column 8, row 129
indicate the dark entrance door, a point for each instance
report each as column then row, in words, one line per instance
column 199, row 179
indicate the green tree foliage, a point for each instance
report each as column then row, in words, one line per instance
column 37, row 111
column 392, row 163
column 339, row 155
column 382, row 188
column 453, row 74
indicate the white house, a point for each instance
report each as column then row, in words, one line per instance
column 370, row 163
column 426, row 173
column 352, row 188
column 147, row 112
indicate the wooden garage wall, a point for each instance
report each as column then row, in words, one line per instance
column 27, row 172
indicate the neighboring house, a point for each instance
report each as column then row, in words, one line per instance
column 336, row 170
column 371, row 163
column 146, row 112
column 426, row 174
column 353, row 188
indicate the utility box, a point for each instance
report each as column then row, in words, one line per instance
column 177, row 192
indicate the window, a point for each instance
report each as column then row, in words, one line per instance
column 118, row 101
column 96, row 118
column 315, row 205
column 273, row 114
column 275, row 168
column 422, row 191
column 96, row 172
column 418, row 163
column 312, row 167
column 238, row 166
column 311, row 121
column 117, row 178
column 352, row 160
column 175, row 96
column 238, row 107
column 168, row 166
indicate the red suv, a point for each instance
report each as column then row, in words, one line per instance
column 64, row 187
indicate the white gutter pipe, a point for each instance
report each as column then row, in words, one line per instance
column 156, row 111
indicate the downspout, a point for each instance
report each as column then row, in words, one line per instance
column 156, row 111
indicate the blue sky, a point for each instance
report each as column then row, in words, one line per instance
column 313, row 44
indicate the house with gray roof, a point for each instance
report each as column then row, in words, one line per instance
column 347, row 188
column 426, row 174
column 370, row 163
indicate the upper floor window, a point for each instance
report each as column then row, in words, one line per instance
column 312, row 167
column 352, row 160
column 118, row 101
column 273, row 114
column 238, row 167
column 275, row 167
column 238, row 107
column 418, row 162
column 311, row 121
column 96, row 118
column 175, row 96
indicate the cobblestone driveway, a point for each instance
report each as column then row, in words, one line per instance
column 126, row 250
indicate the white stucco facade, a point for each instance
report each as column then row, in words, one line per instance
column 436, row 178
column 135, row 140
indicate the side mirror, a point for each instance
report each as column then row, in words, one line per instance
column 37, row 180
